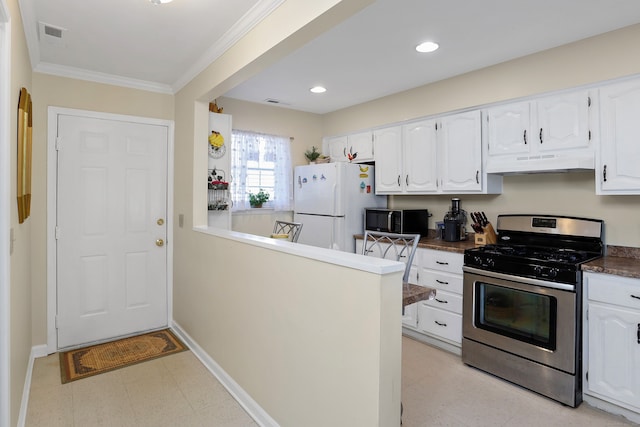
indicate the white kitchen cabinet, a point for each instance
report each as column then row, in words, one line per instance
column 617, row 169
column 441, row 317
column 548, row 133
column 406, row 158
column 612, row 340
column 433, row 156
column 359, row 144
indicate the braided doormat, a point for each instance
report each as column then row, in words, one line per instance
column 100, row 358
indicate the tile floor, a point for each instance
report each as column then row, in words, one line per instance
column 437, row 390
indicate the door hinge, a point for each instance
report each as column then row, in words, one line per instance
column 56, row 321
column 58, row 141
column 57, row 232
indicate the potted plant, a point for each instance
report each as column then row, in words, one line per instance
column 256, row 200
column 312, row 155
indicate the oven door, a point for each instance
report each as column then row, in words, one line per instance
column 525, row 317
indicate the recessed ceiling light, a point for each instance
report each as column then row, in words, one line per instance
column 427, row 47
column 160, row 1
column 318, row 89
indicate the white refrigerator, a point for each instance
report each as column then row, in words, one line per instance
column 329, row 200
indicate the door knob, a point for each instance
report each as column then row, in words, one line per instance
column 160, row 221
column 159, row 242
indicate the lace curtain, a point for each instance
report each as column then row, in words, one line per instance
column 261, row 160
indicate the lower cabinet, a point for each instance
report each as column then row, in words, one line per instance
column 612, row 341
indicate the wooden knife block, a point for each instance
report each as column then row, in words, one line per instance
column 488, row 237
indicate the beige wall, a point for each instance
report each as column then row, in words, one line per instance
column 83, row 95
column 589, row 61
column 21, row 268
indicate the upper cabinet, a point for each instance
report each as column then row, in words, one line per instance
column 433, row 156
column 546, row 134
column 617, row 170
column 356, row 148
column 405, row 158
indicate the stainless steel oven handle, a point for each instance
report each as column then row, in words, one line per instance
column 389, row 222
column 520, row 279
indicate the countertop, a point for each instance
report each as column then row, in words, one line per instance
column 413, row 293
column 619, row 261
column 430, row 242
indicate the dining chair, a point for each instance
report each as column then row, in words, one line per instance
column 289, row 229
column 398, row 247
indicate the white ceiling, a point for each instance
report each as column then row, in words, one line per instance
column 366, row 57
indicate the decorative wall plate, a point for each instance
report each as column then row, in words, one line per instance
column 217, row 152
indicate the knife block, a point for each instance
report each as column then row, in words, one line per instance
column 488, row 237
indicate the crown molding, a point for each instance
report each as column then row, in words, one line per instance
column 249, row 20
column 94, row 76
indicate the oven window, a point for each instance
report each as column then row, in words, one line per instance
column 525, row 316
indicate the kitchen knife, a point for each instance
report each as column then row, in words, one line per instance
column 485, row 221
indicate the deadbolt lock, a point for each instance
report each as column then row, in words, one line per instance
column 160, row 221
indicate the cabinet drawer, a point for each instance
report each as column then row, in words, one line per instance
column 443, row 281
column 440, row 260
column 621, row 291
column 441, row 323
column 446, row 301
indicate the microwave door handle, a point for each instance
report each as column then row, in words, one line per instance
column 389, row 221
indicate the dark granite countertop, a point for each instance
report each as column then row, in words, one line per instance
column 619, row 261
column 413, row 293
column 430, row 242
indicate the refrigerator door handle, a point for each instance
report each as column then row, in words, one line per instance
column 389, row 221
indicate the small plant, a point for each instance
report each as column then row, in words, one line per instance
column 256, row 200
column 313, row 154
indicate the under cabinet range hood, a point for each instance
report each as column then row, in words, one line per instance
column 541, row 164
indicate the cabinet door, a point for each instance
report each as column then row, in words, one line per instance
column 337, row 148
column 419, row 156
column 362, row 145
column 619, row 155
column 460, row 152
column 388, row 156
column 508, row 129
column 614, row 354
column 563, row 122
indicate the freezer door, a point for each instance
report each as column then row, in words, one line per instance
column 324, row 232
column 315, row 189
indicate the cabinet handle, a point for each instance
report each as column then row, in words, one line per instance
column 406, row 179
column 440, row 324
column 524, row 137
column 442, row 282
column 604, row 173
column 398, row 180
column 442, row 263
column 477, row 174
column 638, row 335
column 540, row 135
column 344, row 151
column 634, row 296
column 441, row 301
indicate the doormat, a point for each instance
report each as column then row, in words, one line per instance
column 100, row 358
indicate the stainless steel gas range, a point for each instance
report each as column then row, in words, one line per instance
column 522, row 302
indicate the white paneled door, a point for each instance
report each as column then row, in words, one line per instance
column 111, row 229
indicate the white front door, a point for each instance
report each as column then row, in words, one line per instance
column 111, row 228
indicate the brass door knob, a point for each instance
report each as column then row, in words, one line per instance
column 159, row 242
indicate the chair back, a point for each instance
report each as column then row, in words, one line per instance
column 292, row 229
column 398, row 247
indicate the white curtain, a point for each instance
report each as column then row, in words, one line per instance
column 273, row 151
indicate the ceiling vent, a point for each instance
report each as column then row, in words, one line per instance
column 50, row 33
column 275, row 101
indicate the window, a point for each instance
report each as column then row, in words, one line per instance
column 260, row 161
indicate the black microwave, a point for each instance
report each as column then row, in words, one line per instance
column 402, row 221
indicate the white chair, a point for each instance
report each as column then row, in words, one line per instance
column 398, row 247
column 285, row 229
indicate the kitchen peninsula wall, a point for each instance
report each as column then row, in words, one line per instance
column 586, row 62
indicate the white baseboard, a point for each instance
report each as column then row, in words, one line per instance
column 36, row 352
column 632, row 416
column 255, row 411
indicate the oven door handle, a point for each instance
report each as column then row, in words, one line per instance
column 515, row 278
